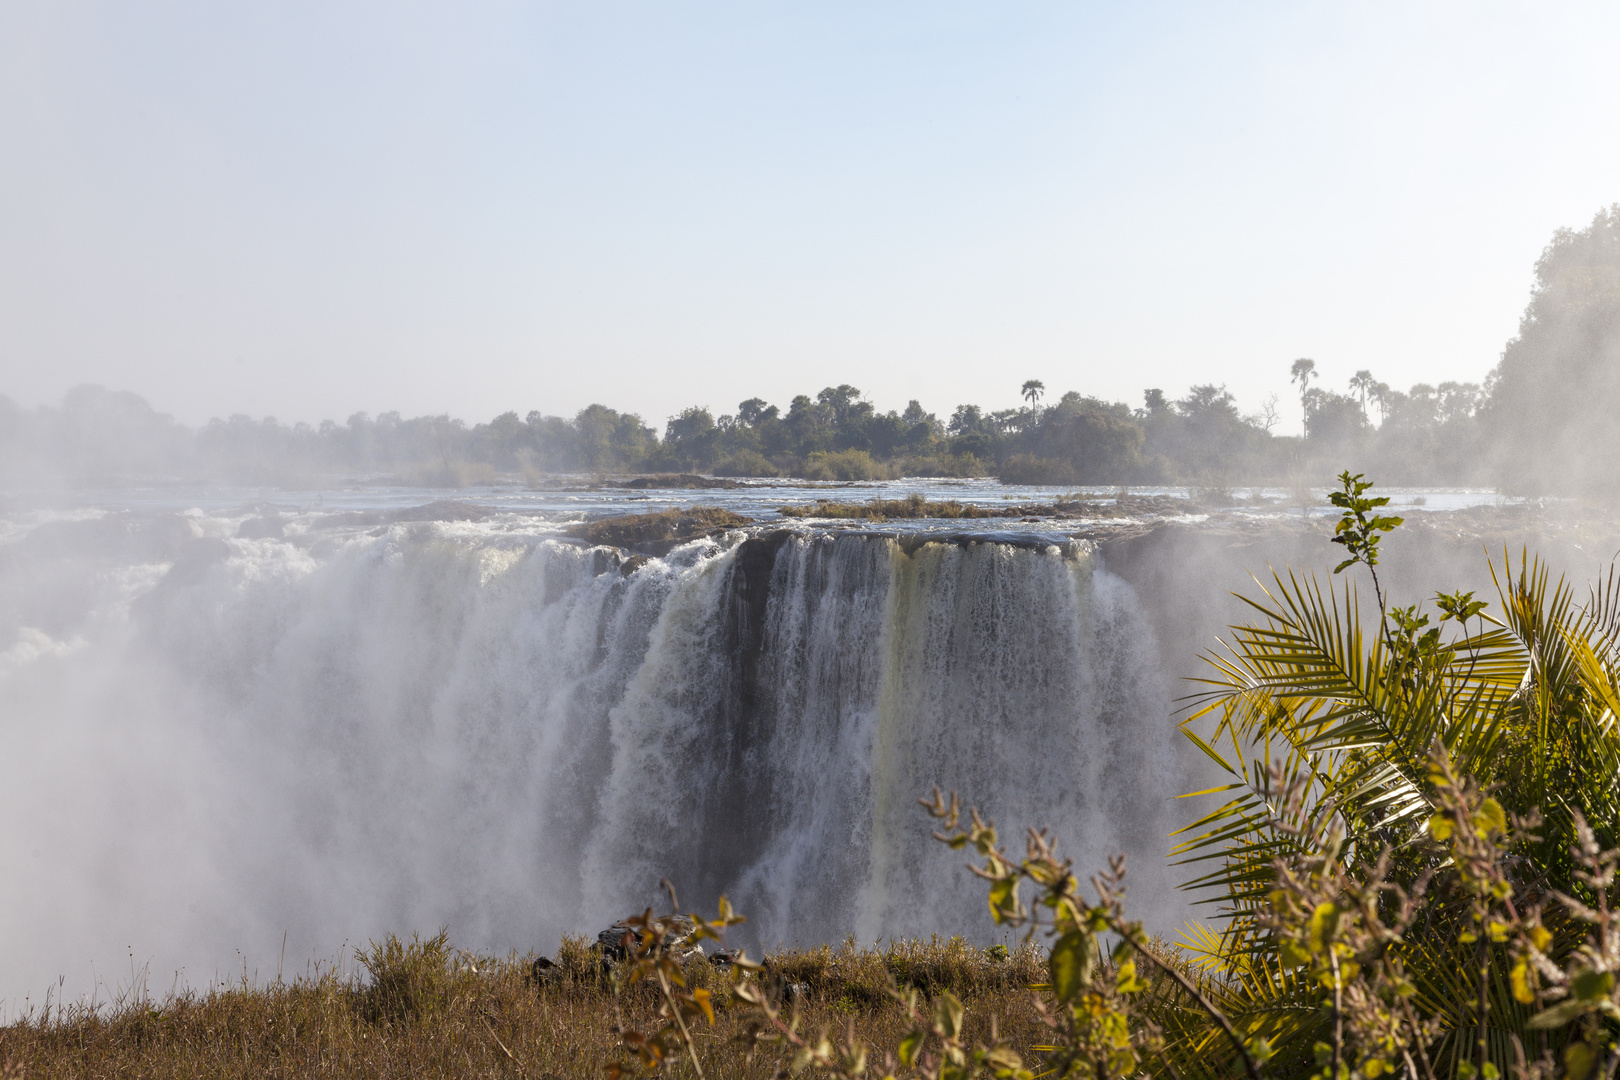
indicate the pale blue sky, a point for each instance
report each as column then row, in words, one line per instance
column 308, row 209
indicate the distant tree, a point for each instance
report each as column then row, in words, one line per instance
column 1266, row 417
column 501, row 441
column 1213, row 437
column 1033, row 389
column 1457, row 401
column 1361, row 385
column 966, row 420
column 922, row 427
column 1302, row 372
column 605, row 440
column 1003, row 421
column 809, row 425
column 1380, row 393
column 848, row 416
column 1153, row 402
column 755, row 411
column 1334, row 421
column 915, row 414
column 843, row 401
column 690, row 437
column 1556, row 391
column 887, row 433
column 1098, row 442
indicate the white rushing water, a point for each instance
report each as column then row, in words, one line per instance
column 211, row 744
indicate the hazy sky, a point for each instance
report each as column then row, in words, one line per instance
column 309, row 209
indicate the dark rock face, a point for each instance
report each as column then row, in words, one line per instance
column 739, row 826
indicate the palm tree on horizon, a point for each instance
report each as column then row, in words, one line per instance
column 1362, row 385
column 1033, row 389
column 1303, row 371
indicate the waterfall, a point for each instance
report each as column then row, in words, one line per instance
column 222, row 744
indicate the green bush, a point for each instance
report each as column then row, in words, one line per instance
column 844, row 465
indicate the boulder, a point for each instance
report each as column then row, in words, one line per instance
column 611, row 940
column 658, row 532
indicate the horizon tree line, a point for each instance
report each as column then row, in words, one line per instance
column 1540, row 423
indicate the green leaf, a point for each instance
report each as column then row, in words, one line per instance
column 1070, row 964
column 1324, row 923
column 909, row 1047
column 1490, row 818
column 1592, row 985
column 948, row 1014
column 1559, row 1015
column 1520, row 981
column 1003, row 898
column 1578, row 1061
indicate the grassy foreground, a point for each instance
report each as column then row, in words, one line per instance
column 423, row 1009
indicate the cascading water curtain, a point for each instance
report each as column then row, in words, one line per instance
column 517, row 737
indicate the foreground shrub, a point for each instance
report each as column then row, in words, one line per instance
column 408, row 981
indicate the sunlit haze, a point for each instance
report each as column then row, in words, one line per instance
column 307, row 210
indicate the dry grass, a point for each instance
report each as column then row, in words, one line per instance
column 424, row 1010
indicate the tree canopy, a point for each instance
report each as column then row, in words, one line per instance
column 1553, row 396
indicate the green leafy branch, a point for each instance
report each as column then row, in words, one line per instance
column 1099, row 1026
column 1359, row 527
column 655, row 948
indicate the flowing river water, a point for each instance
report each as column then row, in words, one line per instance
column 238, row 730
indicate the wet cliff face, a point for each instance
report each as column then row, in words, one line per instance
column 452, row 723
column 844, row 676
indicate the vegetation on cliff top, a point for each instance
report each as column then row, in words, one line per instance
column 914, row 506
column 660, row 526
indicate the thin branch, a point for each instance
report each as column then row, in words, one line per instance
column 1204, row 1003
